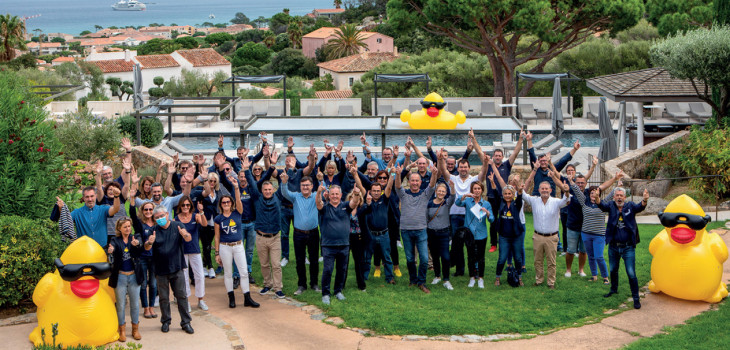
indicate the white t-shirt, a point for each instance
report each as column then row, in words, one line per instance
column 461, row 187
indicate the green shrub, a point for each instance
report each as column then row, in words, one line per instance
column 706, row 153
column 28, row 248
column 31, row 156
column 88, row 137
column 666, row 158
column 578, row 112
column 152, row 130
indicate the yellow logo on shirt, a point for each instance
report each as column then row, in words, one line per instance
column 509, row 214
column 244, row 193
column 232, row 223
column 126, row 250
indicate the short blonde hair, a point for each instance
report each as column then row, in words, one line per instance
column 217, row 181
column 118, row 227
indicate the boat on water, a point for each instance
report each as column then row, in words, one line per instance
column 212, row 16
column 129, row 5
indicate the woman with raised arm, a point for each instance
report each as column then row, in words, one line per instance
column 476, row 224
column 193, row 222
column 144, row 226
column 126, row 275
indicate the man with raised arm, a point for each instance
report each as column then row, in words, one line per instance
column 389, row 154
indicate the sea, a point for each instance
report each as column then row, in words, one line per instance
column 75, row 16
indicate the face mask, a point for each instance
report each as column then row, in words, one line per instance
column 161, row 221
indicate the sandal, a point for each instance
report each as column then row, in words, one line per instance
column 496, row 282
column 593, row 279
column 606, row 281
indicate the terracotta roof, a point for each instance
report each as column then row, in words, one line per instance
column 114, row 66
column 63, row 59
column 156, row 61
column 269, row 91
column 203, row 57
column 329, row 10
column 361, row 62
column 35, row 45
column 333, row 94
column 321, row 33
column 643, row 85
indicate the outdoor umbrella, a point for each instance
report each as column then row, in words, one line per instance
column 138, row 98
column 609, row 149
column 557, row 120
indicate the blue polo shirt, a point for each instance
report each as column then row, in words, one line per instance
column 92, row 222
column 504, row 171
column 249, row 213
column 268, row 211
column 335, row 224
column 377, row 213
column 305, row 209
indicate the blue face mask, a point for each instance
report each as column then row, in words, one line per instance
column 161, row 221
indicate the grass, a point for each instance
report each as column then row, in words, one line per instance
column 528, row 310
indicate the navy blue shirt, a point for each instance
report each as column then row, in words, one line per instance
column 249, row 212
column 504, row 170
column 127, row 264
column 268, row 211
column 167, row 249
column 542, row 175
column 377, row 213
column 229, row 227
column 575, row 211
column 334, row 224
column 192, row 247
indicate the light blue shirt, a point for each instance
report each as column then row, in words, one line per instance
column 305, row 209
column 92, row 222
column 169, row 202
column 478, row 227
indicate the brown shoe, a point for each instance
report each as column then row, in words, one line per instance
column 424, row 289
column 411, row 285
column 122, row 333
column 551, row 287
column 521, row 284
column 392, row 282
column 537, row 284
column 496, row 282
column 135, row 332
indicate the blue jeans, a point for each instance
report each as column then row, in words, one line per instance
column 287, row 216
column 335, row 257
column 127, row 285
column 510, row 247
column 249, row 237
column 594, row 247
column 416, row 239
column 438, row 243
column 148, row 280
column 628, row 253
column 380, row 244
column 457, row 245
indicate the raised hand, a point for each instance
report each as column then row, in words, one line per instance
column 471, row 133
column 487, row 159
column 110, row 250
column 232, row 179
column 195, row 159
column 363, row 140
column 204, row 172
column 133, row 188
column 408, row 152
column 171, row 168
column 201, row 159
column 152, row 237
column 576, row 145
column 395, row 151
column 99, row 166
column 126, row 164
column 350, row 157
column 265, row 151
column 246, row 163
column 289, row 142
column 220, row 141
column 284, row 177
column 646, row 195
column 320, row 176
column 470, row 145
column 312, row 152
column 399, row 169
column 134, row 242
column 183, row 232
column 200, row 206
column 115, row 191
column 219, row 159
column 262, row 136
column 528, row 136
column 594, row 160
column 134, row 177
column 338, row 152
column 428, row 142
column 126, row 144
column 274, row 157
column 59, row 202
column 351, row 168
column 491, row 177
column 176, row 158
column 340, row 144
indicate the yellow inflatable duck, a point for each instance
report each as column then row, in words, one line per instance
column 77, row 296
column 432, row 115
column 687, row 260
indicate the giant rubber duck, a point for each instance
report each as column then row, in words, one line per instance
column 77, row 296
column 432, row 115
column 687, row 260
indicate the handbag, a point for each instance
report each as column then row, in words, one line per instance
column 513, row 279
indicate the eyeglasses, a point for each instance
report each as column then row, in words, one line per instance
column 438, row 105
column 211, row 180
column 185, row 205
column 694, row 222
column 225, row 202
column 72, row 272
column 257, row 169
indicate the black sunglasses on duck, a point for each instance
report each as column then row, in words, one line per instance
column 438, row 105
column 694, row 222
column 72, row 272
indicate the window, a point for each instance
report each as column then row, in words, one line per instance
column 352, row 81
column 379, row 40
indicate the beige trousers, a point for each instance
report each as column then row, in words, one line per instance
column 269, row 249
column 545, row 248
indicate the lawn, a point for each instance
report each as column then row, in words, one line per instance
column 402, row 310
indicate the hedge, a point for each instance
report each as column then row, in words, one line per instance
column 152, row 130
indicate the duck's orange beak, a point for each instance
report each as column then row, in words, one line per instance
column 432, row 112
column 85, row 288
column 682, row 234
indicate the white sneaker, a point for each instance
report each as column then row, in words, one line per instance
column 481, row 283
column 583, row 274
column 321, row 259
column 157, row 301
column 306, row 261
column 284, row 261
column 189, row 308
column 448, row 286
column 568, row 274
column 326, row 300
column 340, row 296
column 205, row 273
column 399, row 244
column 471, row 282
column 211, row 273
column 202, row 305
column 436, row 280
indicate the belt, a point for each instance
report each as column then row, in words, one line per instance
column 246, row 221
column 441, row 230
column 126, row 273
column 378, row 233
column 231, row 244
column 305, row 232
column 267, row 235
column 620, row 244
column 546, row 234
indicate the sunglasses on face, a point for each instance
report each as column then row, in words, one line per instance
column 227, row 169
column 211, row 180
column 148, row 209
column 438, row 105
column 694, row 222
column 183, row 168
column 257, row 169
column 225, row 202
column 73, row 272
column 185, row 205
column 382, row 177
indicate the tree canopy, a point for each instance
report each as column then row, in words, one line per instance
column 348, row 41
column 512, row 33
column 12, row 29
column 240, row 18
column 672, row 16
column 701, row 56
column 251, row 54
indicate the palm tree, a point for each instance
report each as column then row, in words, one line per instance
column 12, row 35
column 338, row 4
column 269, row 39
column 347, row 41
column 295, row 33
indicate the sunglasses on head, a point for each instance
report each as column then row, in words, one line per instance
column 694, row 222
column 73, row 272
column 438, row 105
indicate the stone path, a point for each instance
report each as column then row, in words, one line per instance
column 290, row 324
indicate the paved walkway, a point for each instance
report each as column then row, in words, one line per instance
column 289, row 324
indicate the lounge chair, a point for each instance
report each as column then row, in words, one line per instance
column 544, row 141
column 527, row 111
column 313, row 111
column 699, row 111
column 675, row 111
column 553, row 148
column 385, row 110
column 593, row 112
column 453, row 107
column 488, row 109
column 204, row 119
column 274, row 111
column 243, row 114
column 345, row 111
column 566, row 114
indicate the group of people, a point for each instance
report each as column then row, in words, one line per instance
column 334, row 206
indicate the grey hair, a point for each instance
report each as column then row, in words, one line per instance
column 106, row 167
column 159, row 209
column 510, row 188
column 332, row 187
column 619, row 189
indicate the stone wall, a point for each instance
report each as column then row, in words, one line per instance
column 143, row 157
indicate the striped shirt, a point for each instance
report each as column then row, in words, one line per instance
column 593, row 217
column 413, row 208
